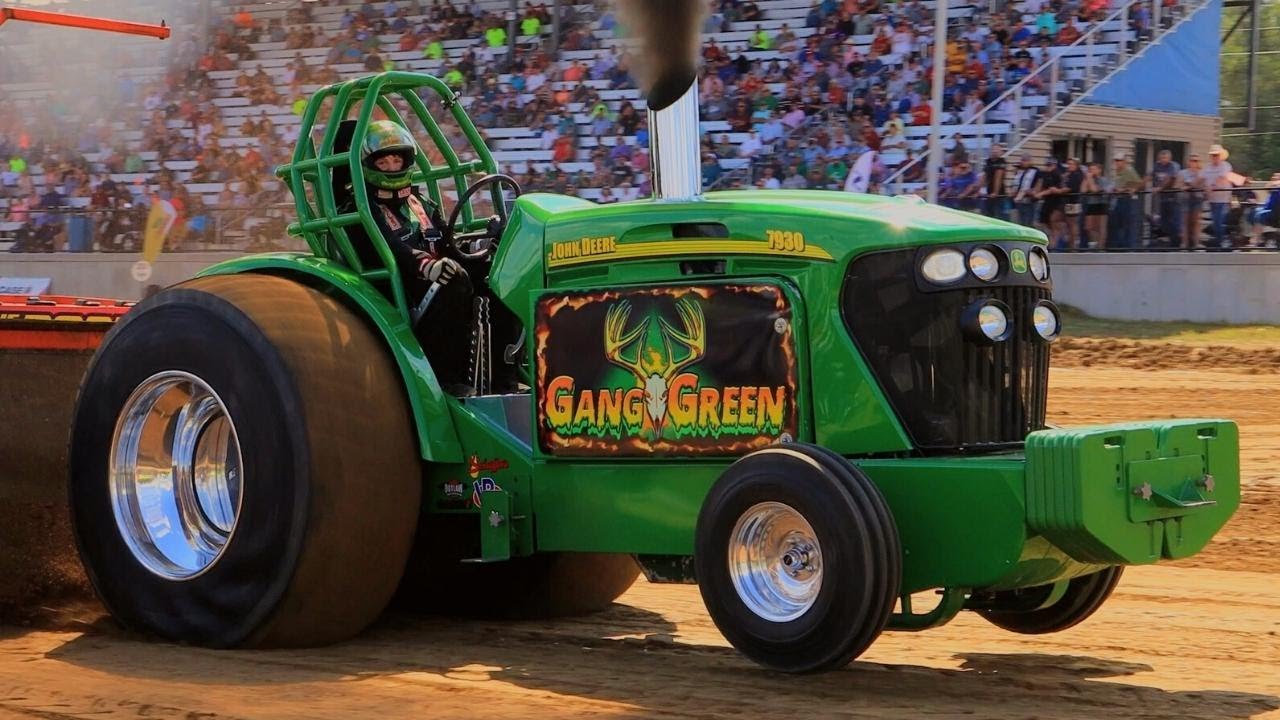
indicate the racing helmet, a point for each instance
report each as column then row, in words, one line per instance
column 383, row 138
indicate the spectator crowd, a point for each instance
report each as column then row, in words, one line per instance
column 826, row 104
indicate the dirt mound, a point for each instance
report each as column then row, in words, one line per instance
column 38, row 562
column 1146, row 355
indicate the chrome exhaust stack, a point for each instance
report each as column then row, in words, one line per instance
column 675, row 141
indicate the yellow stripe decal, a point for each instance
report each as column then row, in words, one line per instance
column 676, row 248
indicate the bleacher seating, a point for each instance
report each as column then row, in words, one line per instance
column 520, row 149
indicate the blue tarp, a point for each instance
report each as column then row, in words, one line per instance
column 1180, row 74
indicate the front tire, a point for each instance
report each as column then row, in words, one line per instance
column 244, row 470
column 797, row 558
column 1084, row 596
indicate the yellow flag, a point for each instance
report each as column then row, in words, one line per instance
column 159, row 222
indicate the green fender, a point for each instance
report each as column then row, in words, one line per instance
column 436, row 435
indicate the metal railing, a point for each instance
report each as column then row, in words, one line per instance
column 1060, row 88
column 123, row 229
column 1145, row 220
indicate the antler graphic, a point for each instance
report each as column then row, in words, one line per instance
column 693, row 336
column 617, row 338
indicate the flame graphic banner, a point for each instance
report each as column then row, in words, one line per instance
column 671, row 370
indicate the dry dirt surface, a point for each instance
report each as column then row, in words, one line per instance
column 1196, row 639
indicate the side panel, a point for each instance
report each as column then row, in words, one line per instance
column 649, row 508
column 668, row 370
column 436, row 436
column 961, row 519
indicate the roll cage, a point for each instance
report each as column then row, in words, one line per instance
column 316, row 174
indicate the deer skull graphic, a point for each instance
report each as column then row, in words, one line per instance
column 655, row 368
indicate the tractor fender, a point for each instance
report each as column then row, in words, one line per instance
column 437, row 437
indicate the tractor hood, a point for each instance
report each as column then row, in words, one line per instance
column 553, row 236
column 841, row 223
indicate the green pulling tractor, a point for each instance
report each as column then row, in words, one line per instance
column 812, row 404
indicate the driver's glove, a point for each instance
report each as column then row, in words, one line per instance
column 439, row 270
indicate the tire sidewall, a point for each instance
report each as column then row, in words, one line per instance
column 843, row 601
column 237, row 595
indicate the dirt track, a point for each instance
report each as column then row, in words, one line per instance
column 1176, row 641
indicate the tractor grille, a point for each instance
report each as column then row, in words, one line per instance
column 950, row 392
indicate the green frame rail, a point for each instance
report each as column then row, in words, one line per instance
column 310, row 172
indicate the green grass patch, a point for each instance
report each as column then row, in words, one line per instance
column 1079, row 325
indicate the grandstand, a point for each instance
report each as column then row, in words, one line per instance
column 1073, row 94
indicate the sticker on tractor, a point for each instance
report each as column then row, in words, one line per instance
column 1018, row 260
column 665, row 370
column 481, row 486
column 476, row 466
column 453, row 489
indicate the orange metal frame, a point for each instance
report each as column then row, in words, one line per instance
column 160, row 31
column 56, row 322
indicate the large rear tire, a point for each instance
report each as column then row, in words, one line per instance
column 541, row 586
column 797, row 558
column 269, row 423
column 1084, row 596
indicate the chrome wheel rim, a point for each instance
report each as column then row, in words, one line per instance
column 176, row 477
column 775, row 562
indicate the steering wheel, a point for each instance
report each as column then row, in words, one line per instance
column 492, row 231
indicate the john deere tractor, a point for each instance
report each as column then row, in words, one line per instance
column 813, row 404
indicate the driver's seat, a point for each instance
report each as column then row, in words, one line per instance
column 344, row 198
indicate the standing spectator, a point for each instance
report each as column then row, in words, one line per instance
column 1216, row 178
column 964, row 187
column 1193, row 183
column 1095, row 189
column 1165, row 179
column 1073, row 208
column 1052, row 196
column 1127, row 182
column 993, row 172
column 1024, row 186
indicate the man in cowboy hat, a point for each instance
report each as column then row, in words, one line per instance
column 1217, row 181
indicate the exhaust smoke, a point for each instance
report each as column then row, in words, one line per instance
column 667, row 68
column 668, row 31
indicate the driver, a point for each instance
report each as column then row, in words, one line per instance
column 401, row 213
column 405, row 219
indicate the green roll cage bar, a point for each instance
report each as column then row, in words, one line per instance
column 310, row 173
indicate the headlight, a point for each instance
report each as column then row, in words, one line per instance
column 987, row 321
column 1045, row 319
column 984, row 264
column 1039, row 264
column 943, row 266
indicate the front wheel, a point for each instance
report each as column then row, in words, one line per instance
column 1084, row 596
column 797, row 558
column 243, row 467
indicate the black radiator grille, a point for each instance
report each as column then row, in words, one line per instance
column 950, row 392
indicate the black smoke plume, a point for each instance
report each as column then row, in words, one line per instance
column 668, row 31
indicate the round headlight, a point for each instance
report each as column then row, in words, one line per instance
column 984, row 264
column 943, row 266
column 993, row 322
column 1045, row 319
column 1038, row 262
column 987, row 321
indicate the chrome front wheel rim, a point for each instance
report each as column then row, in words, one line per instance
column 775, row 562
column 176, row 475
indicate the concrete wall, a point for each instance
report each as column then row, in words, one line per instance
column 1233, row 288
column 105, row 275
column 1204, row 287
